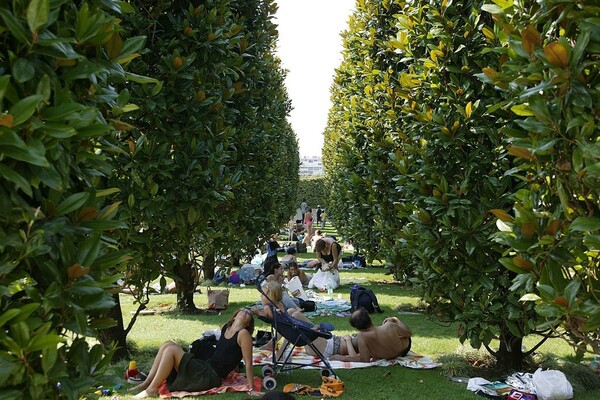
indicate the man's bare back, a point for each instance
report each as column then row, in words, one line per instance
column 387, row 341
column 390, row 340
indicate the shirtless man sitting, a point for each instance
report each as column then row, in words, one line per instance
column 390, row 340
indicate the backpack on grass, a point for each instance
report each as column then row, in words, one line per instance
column 204, row 347
column 363, row 297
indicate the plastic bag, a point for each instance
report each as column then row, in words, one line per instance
column 322, row 279
column 552, row 385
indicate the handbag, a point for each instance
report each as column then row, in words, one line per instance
column 217, row 299
column 307, row 305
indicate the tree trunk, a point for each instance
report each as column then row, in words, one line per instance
column 115, row 334
column 184, row 279
column 208, row 265
column 510, row 355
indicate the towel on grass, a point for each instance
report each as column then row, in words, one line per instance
column 325, row 307
column 329, row 307
column 235, row 382
column 411, row 360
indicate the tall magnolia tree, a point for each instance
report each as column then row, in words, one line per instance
column 59, row 65
column 551, row 79
column 209, row 146
column 361, row 129
column 411, row 101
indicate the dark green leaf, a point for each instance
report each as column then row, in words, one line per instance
column 585, row 224
column 8, row 315
column 83, row 70
column 44, row 342
column 15, row 27
column 139, row 78
column 132, row 45
column 72, row 203
column 24, row 109
column 13, row 176
column 37, row 14
column 23, row 70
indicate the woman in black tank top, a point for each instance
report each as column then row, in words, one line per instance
column 328, row 251
column 185, row 372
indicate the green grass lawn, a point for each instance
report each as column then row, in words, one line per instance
column 430, row 338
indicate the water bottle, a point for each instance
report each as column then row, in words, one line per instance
column 329, row 289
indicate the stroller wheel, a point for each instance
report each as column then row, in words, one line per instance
column 327, row 372
column 269, row 383
column 267, row 371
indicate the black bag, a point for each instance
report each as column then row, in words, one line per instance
column 307, row 305
column 204, row 347
column 262, row 338
column 363, row 297
column 361, row 260
column 300, row 247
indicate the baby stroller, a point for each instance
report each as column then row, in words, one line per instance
column 297, row 333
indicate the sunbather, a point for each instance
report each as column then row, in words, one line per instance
column 337, row 345
column 185, row 372
column 389, row 340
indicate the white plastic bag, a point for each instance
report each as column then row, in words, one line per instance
column 552, row 385
column 321, row 279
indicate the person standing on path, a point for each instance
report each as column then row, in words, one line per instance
column 303, row 208
column 319, row 211
column 308, row 222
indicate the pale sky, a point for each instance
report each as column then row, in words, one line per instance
column 310, row 48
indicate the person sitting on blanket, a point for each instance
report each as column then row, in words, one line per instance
column 273, row 296
column 390, row 340
column 273, row 272
column 293, row 271
column 185, row 372
column 271, row 300
column 328, row 252
column 289, row 257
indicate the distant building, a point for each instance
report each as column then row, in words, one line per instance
column 311, row 166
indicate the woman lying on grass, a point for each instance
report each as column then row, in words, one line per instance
column 185, row 372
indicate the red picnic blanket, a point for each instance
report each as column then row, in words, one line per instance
column 235, row 382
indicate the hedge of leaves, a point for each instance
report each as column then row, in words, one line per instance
column 134, row 136
column 416, row 153
column 361, row 130
column 550, row 78
column 58, row 67
column 210, row 153
column 314, row 190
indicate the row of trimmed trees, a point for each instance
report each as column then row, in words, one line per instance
column 462, row 149
column 138, row 139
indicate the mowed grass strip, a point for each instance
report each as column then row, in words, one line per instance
column 431, row 338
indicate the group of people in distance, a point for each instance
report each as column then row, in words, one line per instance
column 301, row 226
column 183, row 371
